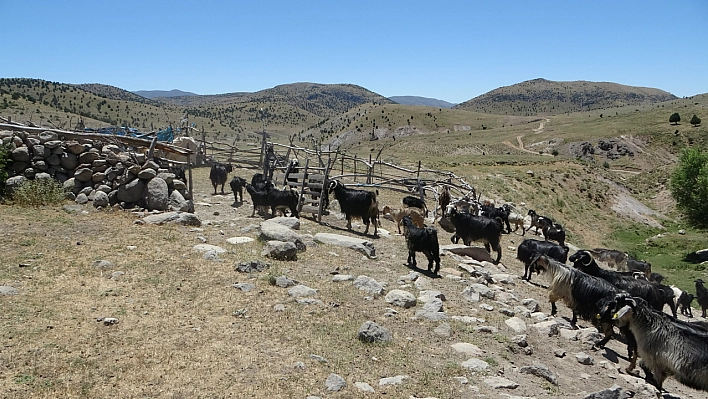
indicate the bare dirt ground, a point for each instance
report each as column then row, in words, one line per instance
column 184, row 331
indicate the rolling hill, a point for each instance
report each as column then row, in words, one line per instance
column 163, row 93
column 545, row 97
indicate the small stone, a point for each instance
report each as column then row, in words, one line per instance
column 443, row 330
column 342, row 277
column 500, row 382
column 401, row 298
column 467, row 349
column 541, row 371
column 102, row 264
column 301, row 290
column 245, row 287
column 335, row 383
column 475, row 364
column 372, row 332
column 7, row 290
column 584, row 358
column 364, row 387
column 397, row 380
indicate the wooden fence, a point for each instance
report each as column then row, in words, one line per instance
column 318, row 167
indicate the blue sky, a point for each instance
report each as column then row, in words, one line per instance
column 449, row 50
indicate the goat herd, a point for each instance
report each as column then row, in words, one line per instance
column 631, row 298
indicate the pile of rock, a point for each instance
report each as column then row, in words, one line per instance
column 92, row 170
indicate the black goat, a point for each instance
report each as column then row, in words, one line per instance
column 414, row 202
column 502, row 212
column 423, row 240
column 537, row 221
column 237, row 184
column 477, row 228
column 653, row 294
column 587, row 296
column 274, row 198
column 684, row 303
column 530, row 249
column 356, row 203
column 444, row 199
column 259, row 181
column 666, row 346
column 701, row 296
column 218, row 175
column 554, row 232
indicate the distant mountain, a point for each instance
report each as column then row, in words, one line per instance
column 546, row 97
column 424, row 101
column 163, row 93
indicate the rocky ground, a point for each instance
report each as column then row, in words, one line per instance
column 531, row 353
column 186, row 311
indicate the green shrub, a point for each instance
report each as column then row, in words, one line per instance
column 4, row 160
column 39, row 192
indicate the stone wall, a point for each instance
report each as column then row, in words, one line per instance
column 94, row 170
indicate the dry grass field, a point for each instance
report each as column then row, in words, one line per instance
column 185, row 332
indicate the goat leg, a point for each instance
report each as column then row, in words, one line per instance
column 411, row 258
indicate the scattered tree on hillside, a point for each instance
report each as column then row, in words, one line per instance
column 675, row 118
column 689, row 186
column 695, row 121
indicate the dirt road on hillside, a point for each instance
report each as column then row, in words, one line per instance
column 520, row 146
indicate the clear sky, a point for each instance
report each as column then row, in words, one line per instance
column 449, row 50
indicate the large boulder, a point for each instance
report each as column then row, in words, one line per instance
column 131, row 192
column 178, row 203
column 21, row 154
column 156, row 195
column 183, row 218
column 13, row 183
column 69, row 160
column 274, row 231
column 364, row 246
column 100, row 199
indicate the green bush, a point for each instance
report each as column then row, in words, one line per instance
column 39, row 192
column 4, row 160
column 689, row 185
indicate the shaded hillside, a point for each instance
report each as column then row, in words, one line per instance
column 63, row 105
column 323, row 100
column 163, row 93
column 113, row 92
column 545, row 97
column 423, row 101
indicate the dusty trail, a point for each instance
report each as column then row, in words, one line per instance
column 520, row 145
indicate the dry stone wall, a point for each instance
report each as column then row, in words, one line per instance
column 93, row 170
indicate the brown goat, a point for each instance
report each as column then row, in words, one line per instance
column 398, row 214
